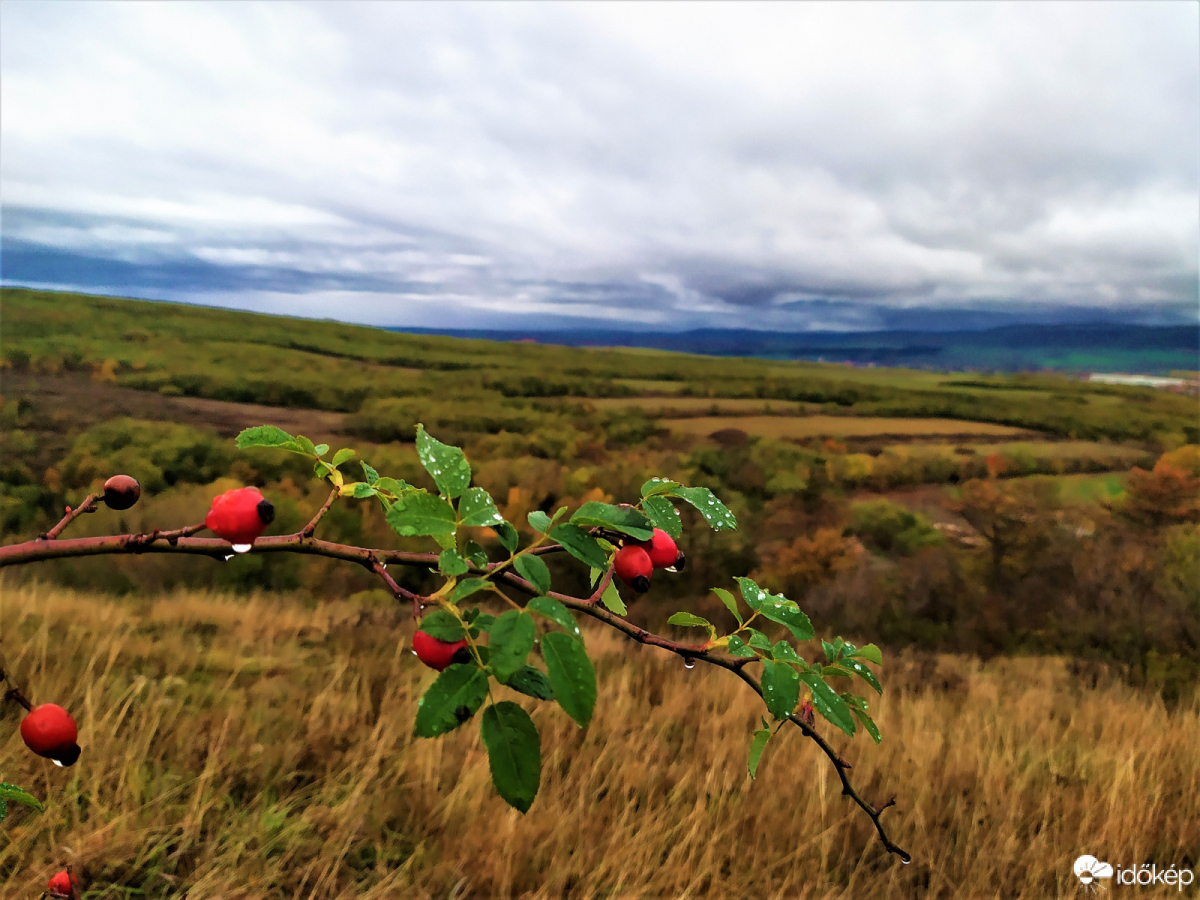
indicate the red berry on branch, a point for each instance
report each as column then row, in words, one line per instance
column 439, row 654
column 61, row 883
column 633, row 566
column 121, row 492
column 50, row 732
column 662, row 550
column 240, row 515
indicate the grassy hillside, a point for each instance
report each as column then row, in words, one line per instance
column 253, row 748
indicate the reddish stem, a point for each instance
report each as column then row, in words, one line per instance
column 87, row 506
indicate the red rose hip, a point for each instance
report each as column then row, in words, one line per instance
column 662, row 550
column 121, row 492
column 240, row 515
column 633, row 566
column 439, row 654
column 50, row 732
column 61, row 883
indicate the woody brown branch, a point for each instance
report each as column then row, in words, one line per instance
column 87, row 506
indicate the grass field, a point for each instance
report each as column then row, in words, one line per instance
column 254, row 748
column 704, row 406
column 800, row 427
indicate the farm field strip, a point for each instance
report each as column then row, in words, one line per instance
column 839, row 426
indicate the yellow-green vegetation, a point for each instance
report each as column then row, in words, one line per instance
column 704, row 406
column 802, row 427
column 256, row 748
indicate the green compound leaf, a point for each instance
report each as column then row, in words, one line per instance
column 451, row 700
column 572, row 675
column 533, row 570
column 858, row 706
column 510, row 640
column 780, row 687
column 447, row 465
column 419, row 513
column 532, row 683
column 556, row 613
column 539, row 521
column 656, row 486
column 715, row 512
column 514, row 753
column 757, row 746
column 662, row 514
column 477, row 509
column 580, row 545
column 826, row 702
column 760, row 641
column 624, row 519
column 784, row 652
column 467, row 587
column 440, row 624
column 730, row 603
column 451, row 564
column 778, row 609
column 341, row 456
column 861, row 670
column 870, row 653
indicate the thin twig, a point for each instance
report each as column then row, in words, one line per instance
column 601, row 586
column 307, row 530
column 87, row 506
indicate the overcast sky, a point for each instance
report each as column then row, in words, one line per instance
column 663, row 165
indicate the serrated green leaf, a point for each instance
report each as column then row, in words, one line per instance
column 829, row 671
column 369, row 473
column 580, row 545
column 532, row 683
column 830, row 650
column 447, row 465
column 440, row 624
column 757, row 746
column 868, row 723
column 392, row 485
column 715, row 512
column 268, row 436
column 451, row 700
column 826, row 702
column 760, row 641
column 737, row 647
column 624, row 519
column 451, row 564
column 538, row 521
column 341, row 456
column 15, row 794
column 870, row 653
column 418, row 513
column 572, row 675
column 467, row 587
column 510, row 641
column 662, row 514
column 778, row 609
column 730, row 603
column 514, row 753
column 360, row 490
column 509, row 539
column 656, row 486
column 784, row 652
column 611, row 598
column 860, row 669
column 477, row 509
column 533, row 570
column 476, row 554
column 556, row 613
column 780, row 687
column 691, row 620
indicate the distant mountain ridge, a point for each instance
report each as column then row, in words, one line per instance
column 1149, row 349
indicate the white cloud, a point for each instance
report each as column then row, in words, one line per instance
column 543, row 158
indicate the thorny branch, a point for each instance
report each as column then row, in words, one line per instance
column 47, row 547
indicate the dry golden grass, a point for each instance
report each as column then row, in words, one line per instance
column 839, row 426
column 252, row 748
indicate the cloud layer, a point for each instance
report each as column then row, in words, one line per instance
column 662, row 165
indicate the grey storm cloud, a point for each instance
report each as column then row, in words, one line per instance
column 768, row 165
